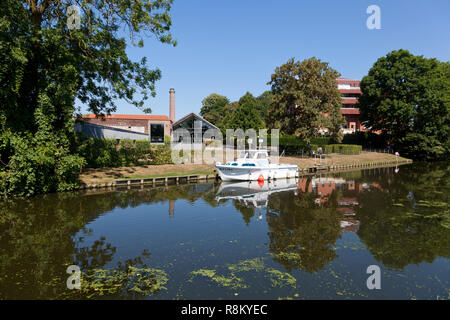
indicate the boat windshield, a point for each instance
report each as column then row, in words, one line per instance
column 251, row 155
column 243, row 154
column 261, row 155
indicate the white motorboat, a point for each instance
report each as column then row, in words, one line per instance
column 255, row 165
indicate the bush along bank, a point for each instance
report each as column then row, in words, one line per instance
column 348, row 149
column 292, row 145
column 99, row 153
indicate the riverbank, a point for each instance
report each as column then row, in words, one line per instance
column 108, row 176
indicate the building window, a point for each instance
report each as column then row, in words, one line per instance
column 157, row 133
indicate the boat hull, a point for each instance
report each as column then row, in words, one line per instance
column 239, row 173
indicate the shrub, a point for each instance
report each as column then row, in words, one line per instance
column 348, row 149
column 290, row 144
column 314, row 147
column 365, row 139
column 37, row 165
column 328, row 149
column 100, row 153
column 422, row 147
column 321, row 142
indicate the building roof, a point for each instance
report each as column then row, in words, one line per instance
column 340, row 79
column 196, row 116
column 126, row 116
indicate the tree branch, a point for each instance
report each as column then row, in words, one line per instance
column 44, row 6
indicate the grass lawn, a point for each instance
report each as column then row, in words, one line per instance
column 107, row 175
column 335, row 159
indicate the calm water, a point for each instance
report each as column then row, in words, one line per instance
column 311, row 238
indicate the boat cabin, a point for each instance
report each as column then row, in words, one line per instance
column 253, row 154
column 251, row 158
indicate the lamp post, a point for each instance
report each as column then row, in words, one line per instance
column 261, row 140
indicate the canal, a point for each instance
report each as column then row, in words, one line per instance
column 308, row 238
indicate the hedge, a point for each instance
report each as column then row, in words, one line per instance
column 100, row 153
column 322, row 141
column 349, row 149
column 365, row 139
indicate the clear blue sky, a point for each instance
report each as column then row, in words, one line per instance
column 233, row 46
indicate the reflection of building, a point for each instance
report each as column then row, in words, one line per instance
column 171, row 208
column 303, row 185
column 141, row 127
column 347, row 202
column 349, row 225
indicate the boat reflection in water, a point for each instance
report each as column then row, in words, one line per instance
column 254, row 194
column 306, row 238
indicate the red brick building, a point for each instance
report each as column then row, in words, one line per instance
column 152, row 127
column 351, row 92
column 155, row 126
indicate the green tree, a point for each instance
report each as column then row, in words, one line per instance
column 45, row 66
column 229, row 108
column 407, row 97
column 305, row 99
column 213, row 107
column 264, row 102
column 244, row 116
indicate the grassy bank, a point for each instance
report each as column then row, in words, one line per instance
column 108, row 175
column 343, row 160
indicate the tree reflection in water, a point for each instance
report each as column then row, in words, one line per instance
column 37, row 236
column 302, row 234
column 401, row 216
column 405, row 217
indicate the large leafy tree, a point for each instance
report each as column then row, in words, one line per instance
column 407, row 97
column 47, row 61
column 245, row 115
column 264, row 103
column 213, row 107
column 305, row 99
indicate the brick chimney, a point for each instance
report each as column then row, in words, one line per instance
column 172, row 105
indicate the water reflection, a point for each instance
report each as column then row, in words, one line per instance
column 399, row 217
column 251, row 196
